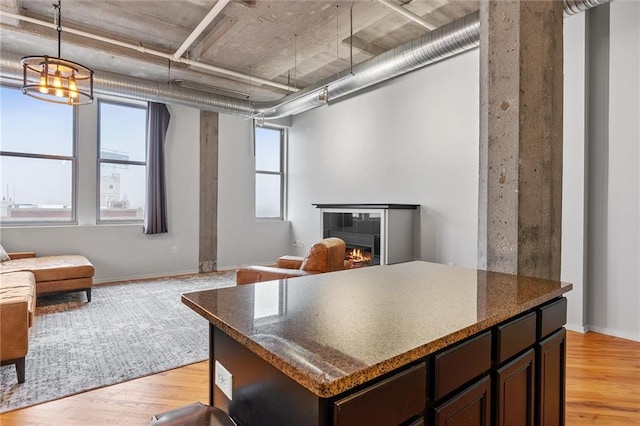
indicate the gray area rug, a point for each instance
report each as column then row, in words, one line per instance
column 128, row 330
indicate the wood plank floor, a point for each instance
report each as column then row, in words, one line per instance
column 603, row 388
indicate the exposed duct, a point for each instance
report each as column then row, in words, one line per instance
column 572, row 7
column 456, row 37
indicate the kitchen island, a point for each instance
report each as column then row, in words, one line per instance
column 411, row 343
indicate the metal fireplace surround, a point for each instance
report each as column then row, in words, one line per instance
column 384, row 230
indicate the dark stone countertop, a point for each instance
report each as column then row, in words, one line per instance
column 331, row 332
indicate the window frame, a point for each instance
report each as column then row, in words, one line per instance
column 100, row 160
column 282, row 173
column 74, row 170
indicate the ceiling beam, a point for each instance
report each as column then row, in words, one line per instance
column 12, row 6
column 142, row 49
column 212, row 37
column 363, row 45
column 215, row 11
column 407, row 14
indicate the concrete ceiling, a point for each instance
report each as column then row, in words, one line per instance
column 293, row 43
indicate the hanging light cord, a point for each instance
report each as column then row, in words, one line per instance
column 58, row 22
column 351, row 35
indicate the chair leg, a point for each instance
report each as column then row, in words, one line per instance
column 20, row 368
column 88, row 294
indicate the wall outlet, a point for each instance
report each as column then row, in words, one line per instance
column 174, row 250
column 298, row 243
column 224, row 380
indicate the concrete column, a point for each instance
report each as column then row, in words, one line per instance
column 520, row 194
column 208, row 191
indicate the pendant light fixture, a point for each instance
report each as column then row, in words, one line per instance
column 55, row 79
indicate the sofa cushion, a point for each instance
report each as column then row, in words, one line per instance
column 51, row 268
column 18, row 287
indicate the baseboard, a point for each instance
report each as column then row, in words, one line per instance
column 577, row 328
column 234, row 267
column 615, row 333
column 99, row 281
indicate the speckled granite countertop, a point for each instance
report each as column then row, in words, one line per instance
column 331, row 332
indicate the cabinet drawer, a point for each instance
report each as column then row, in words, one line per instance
column 460, row 364
column 390, row 402
column 470, row 407
column 515, row 336
column 552, row 317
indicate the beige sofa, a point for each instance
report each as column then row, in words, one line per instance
column 53, row 274
column 24, row 277
column 17, row 311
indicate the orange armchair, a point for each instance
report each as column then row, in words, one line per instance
column 327, row 255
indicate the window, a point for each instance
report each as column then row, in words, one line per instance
column 37, row 160
column 269, row 152
column 122, row 161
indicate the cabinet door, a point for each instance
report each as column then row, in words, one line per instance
column 471, row 407
column 389, row 402
column 515, row 391
column 551, row 380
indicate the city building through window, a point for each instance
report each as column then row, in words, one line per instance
column 122, row 161
column 37, row 160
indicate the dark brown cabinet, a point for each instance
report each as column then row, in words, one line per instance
column 515, row 391
column 509, row 374
column 551, row 379
column 526, row 360
column 472, row 406
column 390, row 402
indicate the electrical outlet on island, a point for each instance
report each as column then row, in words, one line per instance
column 224, row 380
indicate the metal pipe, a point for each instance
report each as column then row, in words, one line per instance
column 215, row 11
column 572, row 7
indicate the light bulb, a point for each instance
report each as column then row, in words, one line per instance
column 57, row 81
column 73, row 87
column 44, row 87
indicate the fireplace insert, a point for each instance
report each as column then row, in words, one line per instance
column 360, row 232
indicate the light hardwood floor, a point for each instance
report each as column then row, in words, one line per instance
column 603, row 388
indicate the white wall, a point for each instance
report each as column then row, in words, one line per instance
column 122, row 251
column 412, row 141
column 242, row 239
column 573, row 172
column 614, row 211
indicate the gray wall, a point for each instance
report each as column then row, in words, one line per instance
column 242, row 239
column 414, row 141
column 573, row 171
column 613, row 89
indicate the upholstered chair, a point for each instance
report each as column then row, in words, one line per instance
column 327, row 255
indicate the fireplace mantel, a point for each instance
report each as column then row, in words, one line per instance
column 368, row 206
column 383, row 231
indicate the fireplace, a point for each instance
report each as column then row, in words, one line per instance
column 375, row 234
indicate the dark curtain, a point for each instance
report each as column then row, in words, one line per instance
column 155, row 215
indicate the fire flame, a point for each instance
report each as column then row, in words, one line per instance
column 358, row 256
